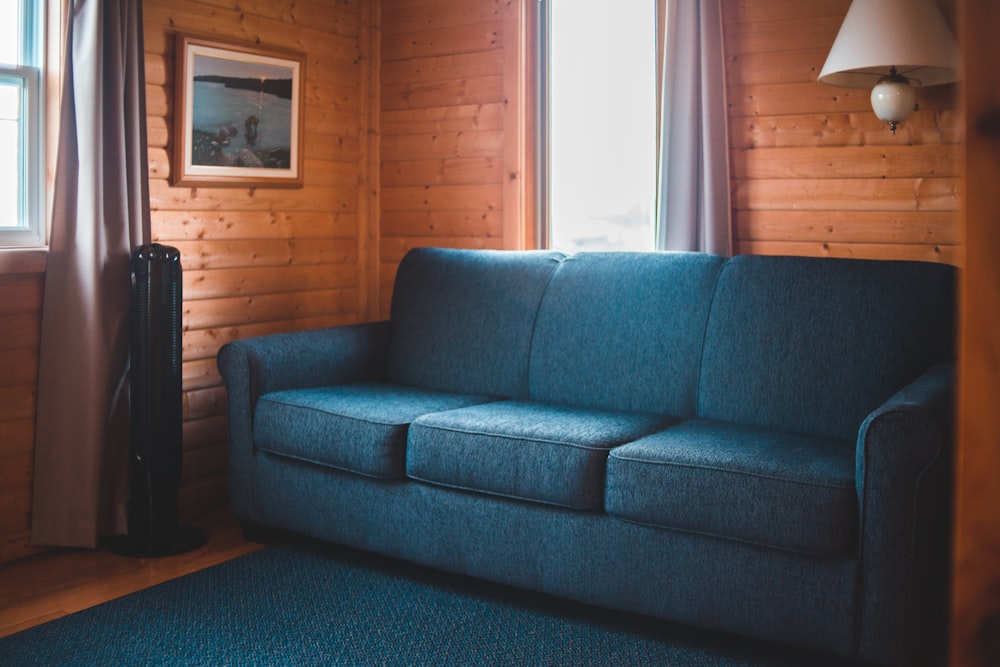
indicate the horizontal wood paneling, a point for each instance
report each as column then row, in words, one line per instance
column 443, row 128
column 764, row 33
column 906, row 227
column 931, row 127
column 863, row 162
column 751, row 11
column 460, row 144
column 396, row 125
column 409, row 18
column 443, row 68
column 20, row 315
column 457, row 171
column 221, row 225
column 260, row 260
column 439, row 42
column 814, row 172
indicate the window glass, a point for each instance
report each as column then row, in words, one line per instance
column 10, row 32
column 601, row 124
column 10, row 172
column 21, row 114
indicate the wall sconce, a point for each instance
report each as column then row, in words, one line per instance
column 891, row 46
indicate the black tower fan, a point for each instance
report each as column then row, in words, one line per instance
column 156, row 438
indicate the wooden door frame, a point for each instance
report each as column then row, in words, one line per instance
column 519, row 77
column 975, row 624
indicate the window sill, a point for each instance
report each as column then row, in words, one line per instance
column 23, row 260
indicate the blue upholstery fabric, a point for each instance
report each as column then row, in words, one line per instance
column 804, row 501
column 298, row 359
column 462, row 319
column 312, row 358
column 766, row 487
column 813, row 345
column 360, row 428
column 529, row 451
column 904, row 470
column 587, row 556
column 623, row 331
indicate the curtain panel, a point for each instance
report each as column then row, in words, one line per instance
column 100, row 212
column 693, row 199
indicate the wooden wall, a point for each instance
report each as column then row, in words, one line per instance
column 448, row 128
column 814, row 172
column 975, row 628
column 264, row 260
column 20, row 315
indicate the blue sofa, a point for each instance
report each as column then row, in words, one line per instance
column 758, row 445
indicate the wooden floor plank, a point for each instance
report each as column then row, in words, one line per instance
column 59, row 582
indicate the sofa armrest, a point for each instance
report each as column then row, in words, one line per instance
column 903, row 474
column 301, row 359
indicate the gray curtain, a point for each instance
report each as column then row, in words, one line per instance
column 693, row 209
column 100, row 212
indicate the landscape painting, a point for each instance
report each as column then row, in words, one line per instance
column 239, row 115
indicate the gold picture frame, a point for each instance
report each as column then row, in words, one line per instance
column 238, row 116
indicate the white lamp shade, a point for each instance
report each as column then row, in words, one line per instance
column 893, row 101
column 877, row 35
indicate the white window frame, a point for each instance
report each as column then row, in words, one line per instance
column 27, row 75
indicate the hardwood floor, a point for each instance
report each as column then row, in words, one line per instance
column 40, row 588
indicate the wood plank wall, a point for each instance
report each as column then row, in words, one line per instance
column 260, row 261
column 20, row 316
column 814, row 172
column 975, row 609
column 442, row 127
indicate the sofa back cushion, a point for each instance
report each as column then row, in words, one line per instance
column 815, row 344
column 461, row 320
column 623, row 331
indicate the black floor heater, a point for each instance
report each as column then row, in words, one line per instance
column 155, row 375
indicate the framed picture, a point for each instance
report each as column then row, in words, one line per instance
column 238, row 115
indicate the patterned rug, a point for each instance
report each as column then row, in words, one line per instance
column 310, row 604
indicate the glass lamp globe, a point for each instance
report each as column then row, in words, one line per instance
column 893, row 99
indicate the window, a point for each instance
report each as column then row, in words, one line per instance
column 597, row 120
column 21, row 116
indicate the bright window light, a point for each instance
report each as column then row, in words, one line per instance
column 601, row 124
column 10, row 148
column 10, row 31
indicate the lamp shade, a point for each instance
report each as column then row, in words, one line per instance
column 877, row 35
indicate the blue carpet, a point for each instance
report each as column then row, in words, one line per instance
column 309, row 604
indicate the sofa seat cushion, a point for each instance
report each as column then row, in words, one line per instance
column 756, row 485
column 528, row 451
column 360, row 428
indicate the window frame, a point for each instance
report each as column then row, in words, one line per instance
column 28, row 76
column 542, row 107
